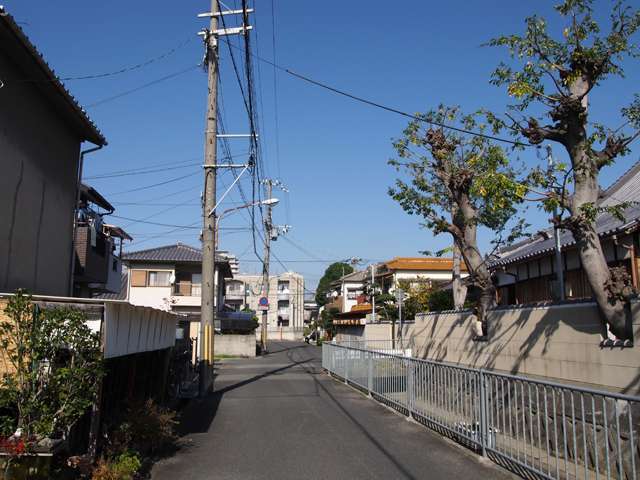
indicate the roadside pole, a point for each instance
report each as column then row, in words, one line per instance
column 209, row 221
column 209, row 202
column 265, row 269
column 556, row 236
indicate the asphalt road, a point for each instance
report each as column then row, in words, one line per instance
column 280, row 417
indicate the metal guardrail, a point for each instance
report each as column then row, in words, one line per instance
column 541, row 429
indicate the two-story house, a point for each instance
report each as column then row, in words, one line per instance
column 42, row 128
column 170, row 278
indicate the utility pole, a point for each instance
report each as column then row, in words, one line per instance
column 207, row 314
column 373, row 293
column 265, row 268
column 556, row 235
column 209, row 204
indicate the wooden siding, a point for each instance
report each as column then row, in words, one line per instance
column 539, row 289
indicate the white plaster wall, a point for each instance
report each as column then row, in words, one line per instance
column 155, row 297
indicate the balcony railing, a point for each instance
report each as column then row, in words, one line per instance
column 283, row 294
column 187, row 289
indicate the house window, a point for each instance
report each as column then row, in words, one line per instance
column 159, row 279
column 138, row 278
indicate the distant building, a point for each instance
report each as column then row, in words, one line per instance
column 347, row 294
column 525, row 272
column 42, row 128
column 286, row 301
column 311, row 312
column 415, row 270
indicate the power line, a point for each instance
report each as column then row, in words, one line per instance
column 152, row 204
column 141, row 87
column 132, row 67
column 385, row 107
column 146, row 169
column 146, row 187
column 191, row 226
column 144, row 172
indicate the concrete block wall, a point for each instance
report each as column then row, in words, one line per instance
column 559, row 342
column 236, row 345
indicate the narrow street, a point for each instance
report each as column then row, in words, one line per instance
column 281, row 417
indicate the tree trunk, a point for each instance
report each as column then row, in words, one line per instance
column 594, row 263
column 459, row 289
column 478, row 271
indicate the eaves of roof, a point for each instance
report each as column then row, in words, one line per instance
column 606, row 225
column 17, row 45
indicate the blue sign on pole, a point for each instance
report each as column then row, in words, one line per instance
column 263, row 303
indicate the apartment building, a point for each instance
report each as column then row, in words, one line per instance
column 285, row 317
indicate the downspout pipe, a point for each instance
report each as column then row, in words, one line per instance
column 75, row 214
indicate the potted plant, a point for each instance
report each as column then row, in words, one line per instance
column 50, row 368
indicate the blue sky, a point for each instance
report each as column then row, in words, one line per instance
column 332, row 151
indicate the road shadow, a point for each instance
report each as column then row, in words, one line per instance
column 199, row 413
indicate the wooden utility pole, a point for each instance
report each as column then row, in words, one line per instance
column 268, row 230
column 207, row 313
column 209, row 204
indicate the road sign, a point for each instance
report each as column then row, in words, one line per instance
column 263, row 304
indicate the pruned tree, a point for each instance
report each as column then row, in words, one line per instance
column 458, row 184
column 555, row 74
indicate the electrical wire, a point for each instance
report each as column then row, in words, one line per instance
column 133, row 67
column 385, row 107
column 139, row 220
column 146, row 187
column 142, row 87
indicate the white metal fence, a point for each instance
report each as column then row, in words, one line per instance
column 544, row 429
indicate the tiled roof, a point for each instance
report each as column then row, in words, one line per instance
column 359, row 276
column 606, row 224
column 624, row 189
column 44, row 77
column 422, row 263
column 178, row 252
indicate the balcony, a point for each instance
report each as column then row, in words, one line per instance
column 186, row 294
column 234, row 295
column 284, row 294
column 187, row 289
column 94, row 255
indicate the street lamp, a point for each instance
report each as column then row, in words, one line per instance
column 266, row 202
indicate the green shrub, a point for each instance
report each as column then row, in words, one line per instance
column 122, row 467
column 54, row 368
